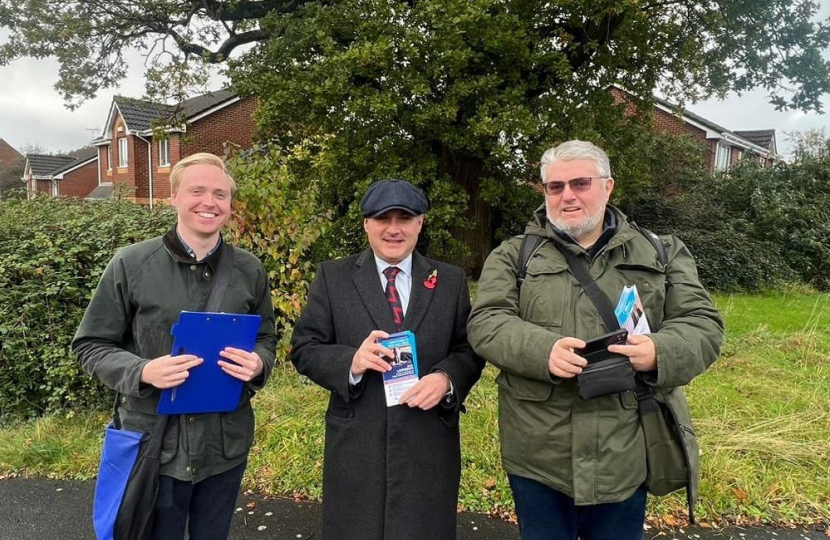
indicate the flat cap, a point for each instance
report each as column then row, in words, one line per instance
column 393, row 194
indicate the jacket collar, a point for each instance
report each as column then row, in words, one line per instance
column 173, row 245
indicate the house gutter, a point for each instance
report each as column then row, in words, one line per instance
column 746, row 144
column 149, row 165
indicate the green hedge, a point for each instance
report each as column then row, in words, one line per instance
column 52, row 253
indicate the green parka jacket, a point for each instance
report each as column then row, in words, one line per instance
column 593, row 450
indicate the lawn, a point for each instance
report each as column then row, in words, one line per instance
column 762, row 414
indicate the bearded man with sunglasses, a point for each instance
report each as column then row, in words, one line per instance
column 577, row 467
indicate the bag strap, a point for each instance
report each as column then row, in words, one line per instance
column 600, row 300
column 221, row 279
column 530, row 245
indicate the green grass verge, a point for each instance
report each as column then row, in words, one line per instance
column 762, row 414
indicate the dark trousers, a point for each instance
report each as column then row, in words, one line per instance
column 205, row 509
column 547, row 514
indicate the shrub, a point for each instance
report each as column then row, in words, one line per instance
column 277, row 217
column 52, row 253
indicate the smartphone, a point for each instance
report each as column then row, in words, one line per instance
column 601, row 343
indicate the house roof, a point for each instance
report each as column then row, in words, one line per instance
column 103, row 191
column 139, row 115
column 81, row 157
column 762, row 137
column 747, row 139
column 51, row 166
column 44, row 165
column 8, row 155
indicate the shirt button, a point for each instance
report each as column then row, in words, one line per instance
column 194, row 470
column 207, row 274
column 192, row 267
column 187, row 468
column 191, row 419
column 123, row 399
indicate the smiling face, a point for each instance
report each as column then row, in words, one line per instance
column 203, row 203
column 580, row 214
column 393, row 234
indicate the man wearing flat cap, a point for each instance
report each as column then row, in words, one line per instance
column 390, row 472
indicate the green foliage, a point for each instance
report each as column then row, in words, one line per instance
column 752, row 228
column 52, row 253
column 277, row 217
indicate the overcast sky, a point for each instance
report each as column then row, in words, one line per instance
column 33, row 113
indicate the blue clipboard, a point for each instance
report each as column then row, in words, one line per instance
column 208, row 389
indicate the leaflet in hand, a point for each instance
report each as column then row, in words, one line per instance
column 630, row 313
column 404, row 372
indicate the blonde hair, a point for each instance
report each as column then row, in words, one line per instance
column 202, row 158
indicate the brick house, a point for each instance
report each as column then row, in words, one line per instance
column 723, row 146
column 11, row 162
column 62, row 176
column 130, row 150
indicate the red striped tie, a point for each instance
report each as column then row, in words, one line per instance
column 392, row 296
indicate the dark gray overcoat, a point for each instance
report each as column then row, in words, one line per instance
column 390, row 473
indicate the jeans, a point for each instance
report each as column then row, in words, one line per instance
column 205, row 509
column 547, row 514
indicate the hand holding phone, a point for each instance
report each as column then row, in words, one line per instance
column 597, row 348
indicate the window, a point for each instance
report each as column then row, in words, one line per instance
column 123, row 158
column 109, row 157
column 723, row 156
column 164, row 153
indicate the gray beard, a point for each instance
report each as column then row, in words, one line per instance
column 578, row 230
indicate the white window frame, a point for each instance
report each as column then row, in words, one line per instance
column 123, row 152
column 109, row 157
column 723, row 156
column 164, row 153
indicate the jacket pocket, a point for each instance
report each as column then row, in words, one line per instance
column 545, row 293
column 338, row 408
column 237, row 431
column 524, row 389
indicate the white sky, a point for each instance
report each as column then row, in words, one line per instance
column 33, row 113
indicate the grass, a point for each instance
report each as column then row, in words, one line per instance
column 762, row 414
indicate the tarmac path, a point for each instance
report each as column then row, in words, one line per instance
column 43, row 509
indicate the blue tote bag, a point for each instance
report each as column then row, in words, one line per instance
column 125, row 493
column 118, row 457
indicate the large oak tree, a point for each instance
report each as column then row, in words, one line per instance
column 448, row 93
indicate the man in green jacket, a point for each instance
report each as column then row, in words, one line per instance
column 124, row 341
column 576, row 467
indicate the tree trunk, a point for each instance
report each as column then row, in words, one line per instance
column 466, row 172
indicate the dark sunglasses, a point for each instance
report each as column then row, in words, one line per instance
column 581, row 184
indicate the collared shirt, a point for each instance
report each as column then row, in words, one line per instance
column 403, row 281
column 192, row 253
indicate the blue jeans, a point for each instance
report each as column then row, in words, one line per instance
column 546, row 514
column 205, row 509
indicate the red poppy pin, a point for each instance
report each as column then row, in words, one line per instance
column 432, row 280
